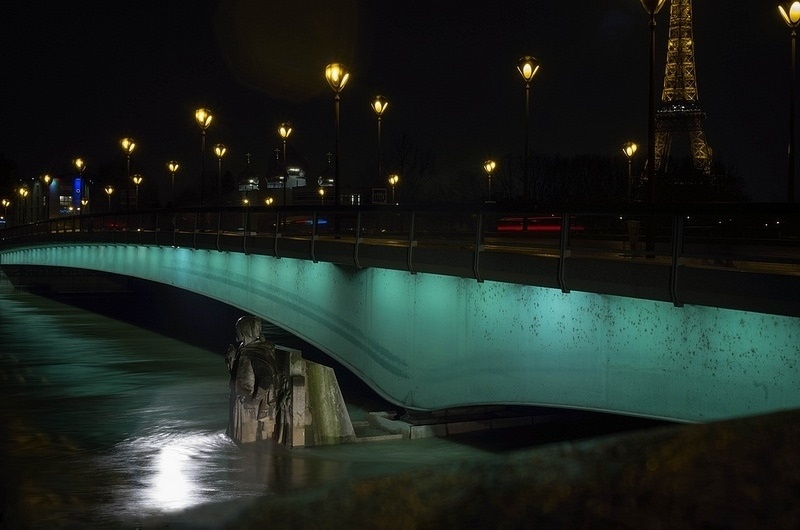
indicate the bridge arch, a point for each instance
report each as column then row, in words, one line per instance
column 429, row 341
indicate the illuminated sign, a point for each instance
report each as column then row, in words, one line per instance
column 76, row 192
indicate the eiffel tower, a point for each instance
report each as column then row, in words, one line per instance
column 680, row 112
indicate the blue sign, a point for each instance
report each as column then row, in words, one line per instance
column 76, row 192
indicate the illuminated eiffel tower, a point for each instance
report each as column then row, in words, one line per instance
column 680, row 112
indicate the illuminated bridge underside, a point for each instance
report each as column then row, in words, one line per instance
column 429, row 342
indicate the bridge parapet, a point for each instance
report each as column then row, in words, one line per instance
column 736, row 256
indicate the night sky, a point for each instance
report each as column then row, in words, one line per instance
column 77, row 77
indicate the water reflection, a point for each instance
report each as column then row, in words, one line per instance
column 176, row 470
column 106, row 424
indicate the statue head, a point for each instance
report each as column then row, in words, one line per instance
column 248, row 329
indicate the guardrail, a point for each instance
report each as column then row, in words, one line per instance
column 661, row 252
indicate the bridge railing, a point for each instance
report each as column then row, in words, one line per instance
column 663, row 252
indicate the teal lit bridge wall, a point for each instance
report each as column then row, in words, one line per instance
column 431, row 341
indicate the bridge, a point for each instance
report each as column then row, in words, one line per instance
column 684, row 313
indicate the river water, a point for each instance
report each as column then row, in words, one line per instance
column 105, row 423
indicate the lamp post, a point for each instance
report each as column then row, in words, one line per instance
column 268, row 201
column 284, row 130
column 47, row 179
column 652, row 7
column 488, row 167
column 527, row 66
column 393, row 180
column 220, row 151
column 337, row 76
column 173, row 166
column 128, row 145
column 379, row 105
column 109, row 190
column 23, row 195
column 137, row 179
column 6, row 203
column 629, row 149
column 791, row 15
column 203, row 119
column 321, row 192
column 80, row 165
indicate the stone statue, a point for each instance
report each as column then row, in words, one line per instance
column 256, row 392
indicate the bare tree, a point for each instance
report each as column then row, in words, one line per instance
column 414, row 167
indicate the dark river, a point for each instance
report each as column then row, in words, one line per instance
column 117, row 419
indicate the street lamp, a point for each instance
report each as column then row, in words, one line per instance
column 137, row 179
column 220, row 151
column 128, row 145
column 488, row 167
column 284, row 131
column 23, row 194
column 268, row 201
column 652, row 7
column 321, row 192
column 47, row 180
column 629, row 149
column 109, row 190
column 527, row 66
column 791, row 15
column 80, row 165
column 393, row 180
column 203, row 119
column 379, row 106
column 337, row 76
column 173, row 166
column 6, row 203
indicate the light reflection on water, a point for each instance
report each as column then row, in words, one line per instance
column 176, row 471
column 103, row 422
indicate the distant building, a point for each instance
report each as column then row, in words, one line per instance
column 294, row 172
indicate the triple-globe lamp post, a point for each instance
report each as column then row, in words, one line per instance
column 128, row 145
column 80, row 165
column 219, row 150
column 337, row 76
column 203, row 118
column 23, row 199
column 527, row 67
column 488, row 167
column 172, row 166
column 137, row 179
column 629, row 149
column 379, row 105
column 790, row 12
column 284, row 130
column 47, row 179
column 393, row 180
column 109, row 189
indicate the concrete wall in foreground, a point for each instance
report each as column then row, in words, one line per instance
column 427, row 341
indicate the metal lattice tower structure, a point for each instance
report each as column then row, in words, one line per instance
column 680, row 112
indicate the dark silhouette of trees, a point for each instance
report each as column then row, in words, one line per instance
column 415, row 167
column 587, row 180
